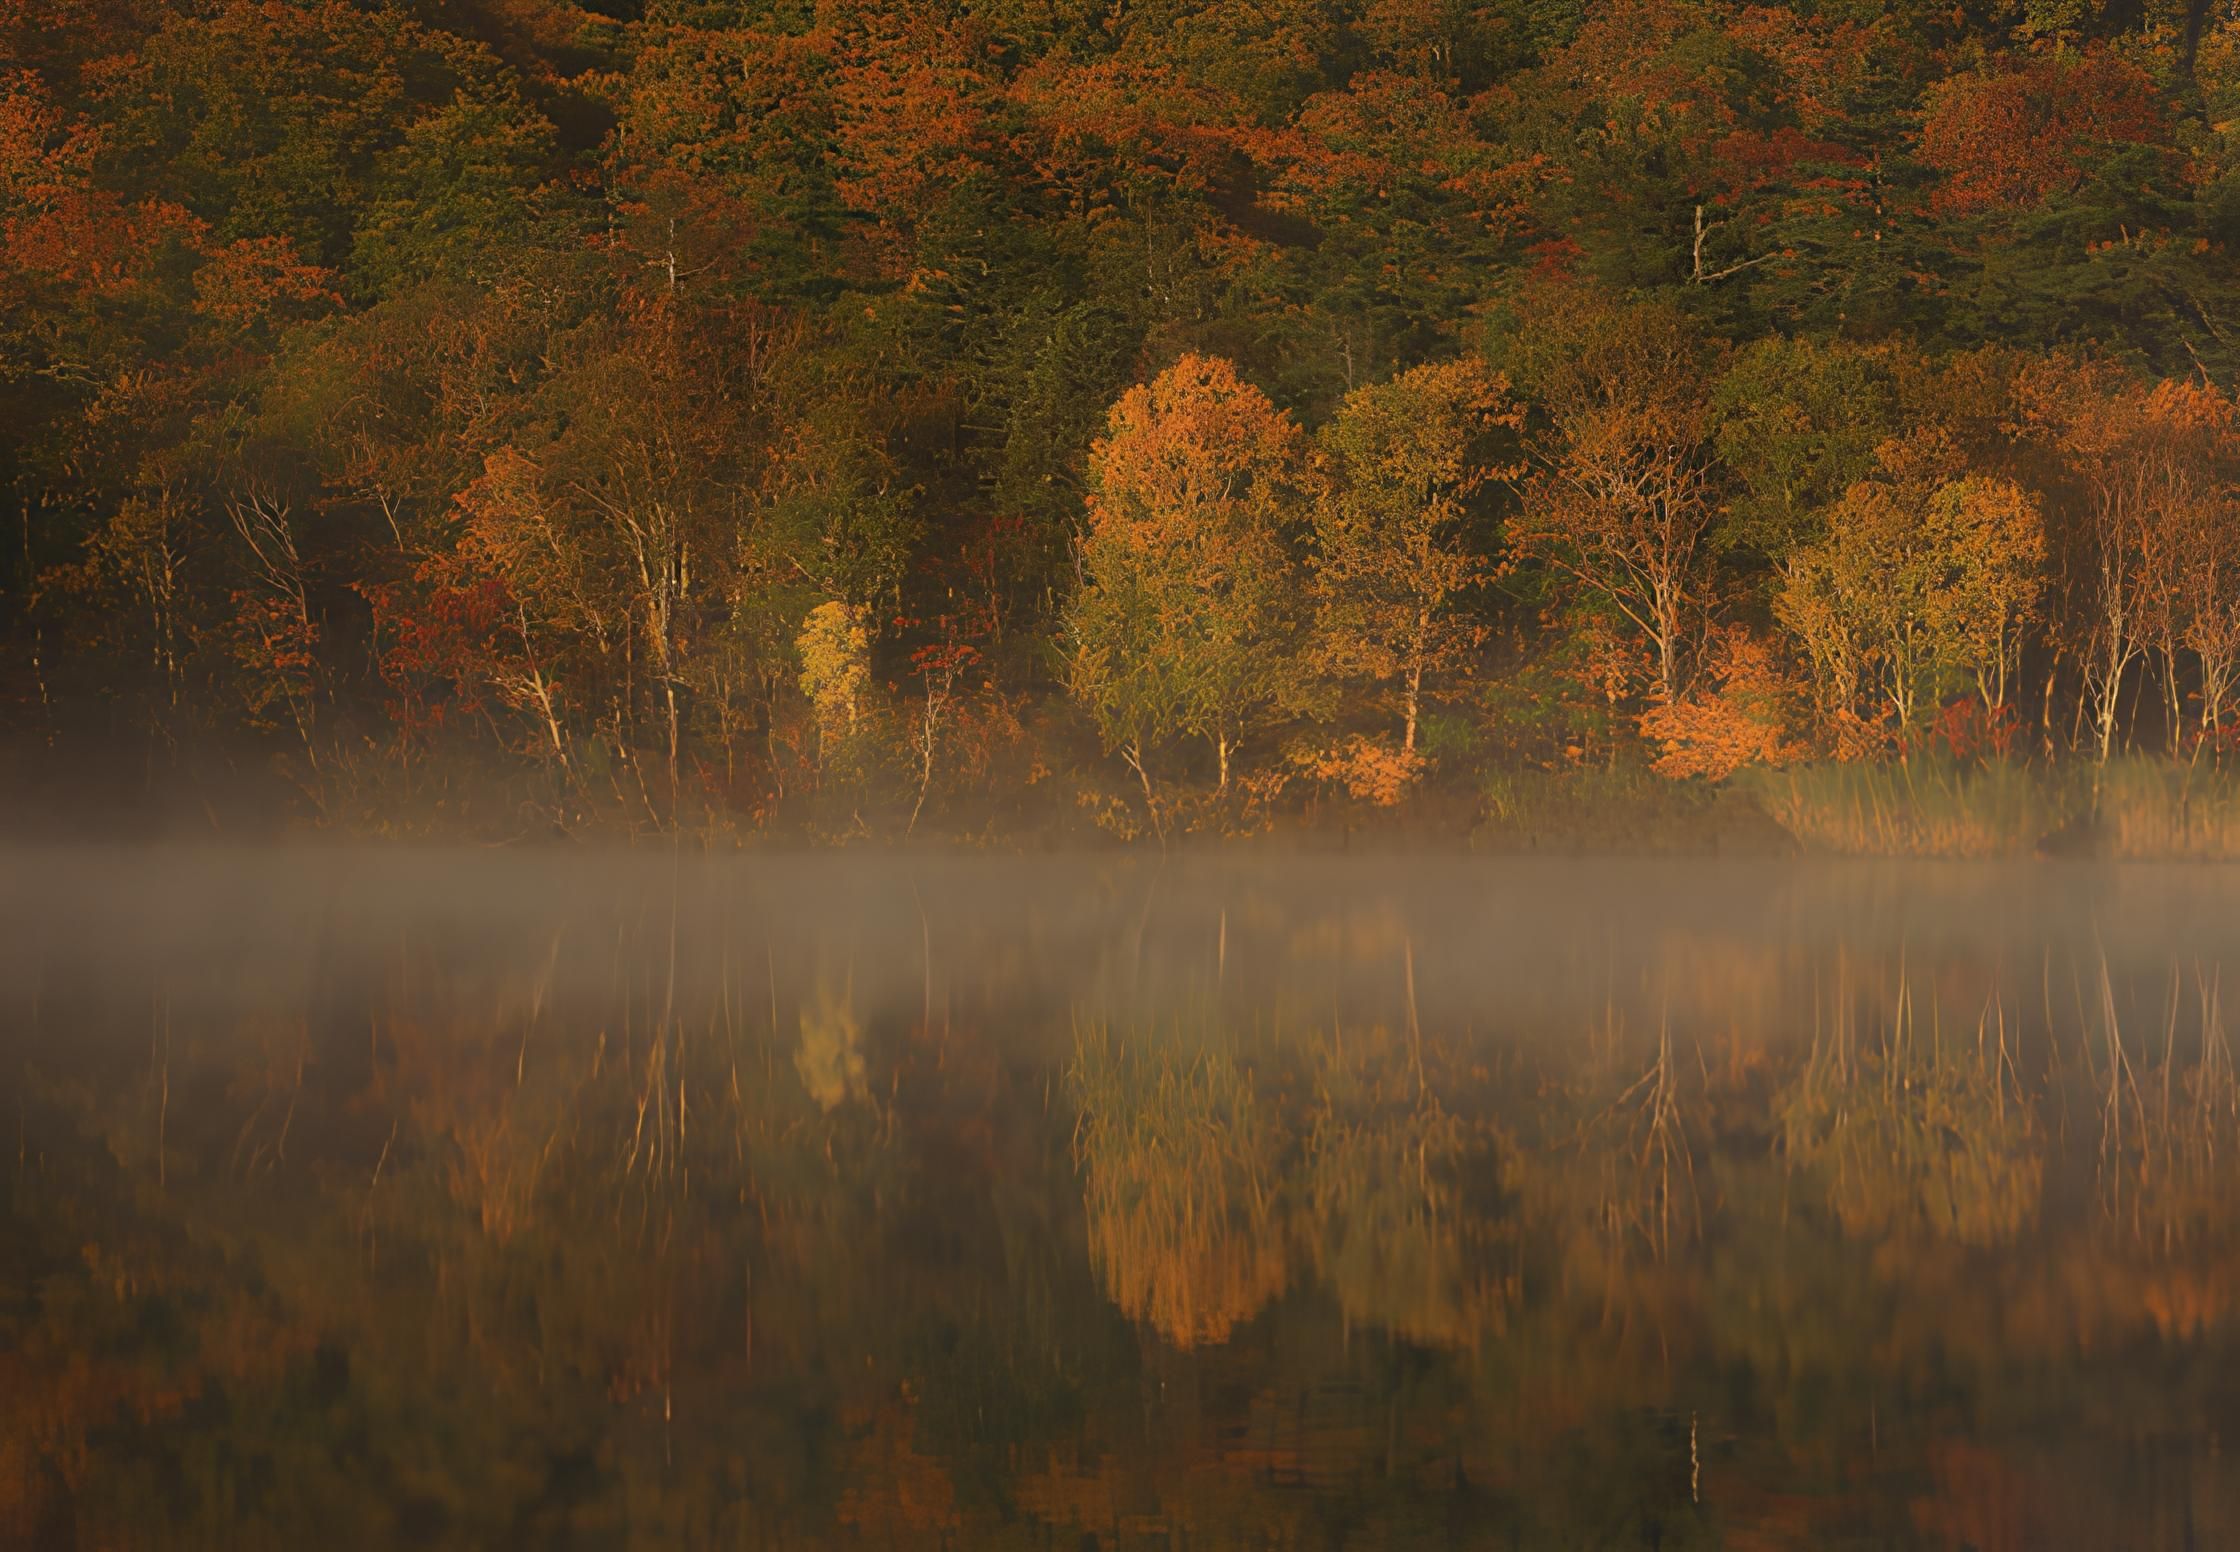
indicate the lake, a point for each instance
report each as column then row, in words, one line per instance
column 559, row 1198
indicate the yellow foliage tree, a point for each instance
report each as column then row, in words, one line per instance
column 835, row 669
column 1925, row 578
column 1392, row 554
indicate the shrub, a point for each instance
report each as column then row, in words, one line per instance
column 1743, row 722
column 1368, row 770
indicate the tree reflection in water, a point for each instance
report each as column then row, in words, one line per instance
column 1179, row 1165
column 1230, row 1215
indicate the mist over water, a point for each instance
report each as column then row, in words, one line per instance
column 508, row 1197
column 1499, row 938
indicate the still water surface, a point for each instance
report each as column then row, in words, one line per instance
column 497, row 1200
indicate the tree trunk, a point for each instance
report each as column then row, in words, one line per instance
column 2216, row 688
column 669, row 692
column 1667, row 614
column 1133, row 754
column 2104, row 713
column 925, row 763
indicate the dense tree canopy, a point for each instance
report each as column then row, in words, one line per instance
column 457, row 414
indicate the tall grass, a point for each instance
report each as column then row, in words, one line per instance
column 1592, row 807
column 2147, row 808
column 2153, row 808
column 1925, row 807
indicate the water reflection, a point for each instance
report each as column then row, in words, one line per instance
column 663, row 1202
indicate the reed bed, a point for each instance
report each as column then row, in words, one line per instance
column 1921, row 808
column 2140, row 808
column 2151, row 809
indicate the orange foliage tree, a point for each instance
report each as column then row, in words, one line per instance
column 2152, row 543
column 2020, row 135
column 1185, row 621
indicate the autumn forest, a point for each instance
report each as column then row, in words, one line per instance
column 1652, row 422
